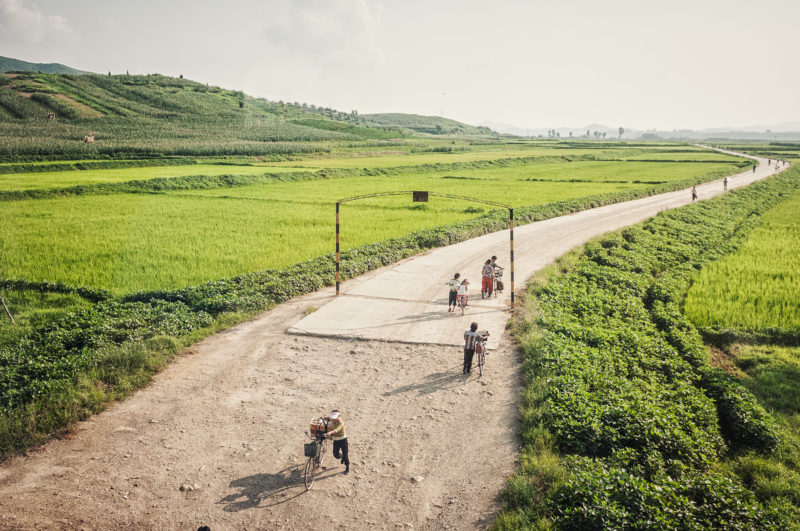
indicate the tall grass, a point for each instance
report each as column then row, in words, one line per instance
column 758, row 287
column 135, row 242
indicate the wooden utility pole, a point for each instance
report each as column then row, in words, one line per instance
column 6, row 307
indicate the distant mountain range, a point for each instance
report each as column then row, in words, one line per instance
column 7, row 64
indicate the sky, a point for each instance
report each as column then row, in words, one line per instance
column 682, row 64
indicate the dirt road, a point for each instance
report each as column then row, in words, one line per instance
column 226, row 420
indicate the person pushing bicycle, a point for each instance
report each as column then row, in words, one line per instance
column 336, row 432
column 471, row 338
column 498, row 272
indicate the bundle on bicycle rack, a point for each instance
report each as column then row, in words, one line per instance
column 318, row 425
column 498, row 273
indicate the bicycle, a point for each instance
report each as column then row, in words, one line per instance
column 480, row 352
column 497, row 284
column 315, row 451
column 461, row 301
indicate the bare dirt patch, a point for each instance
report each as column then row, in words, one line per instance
column 726, row 361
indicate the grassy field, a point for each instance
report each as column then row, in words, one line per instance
column 772, row 374
column 160, row 241
column 758, row 287
column 62, row 179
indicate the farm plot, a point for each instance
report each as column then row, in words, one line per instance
column 758, row 287
column 62, row 179
column 134, row 242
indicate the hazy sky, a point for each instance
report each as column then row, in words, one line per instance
column 639, row 63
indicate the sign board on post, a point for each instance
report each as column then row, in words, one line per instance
column 420, row 197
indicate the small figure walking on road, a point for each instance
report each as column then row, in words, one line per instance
column 754, row 168
column 694, row 193
column 725, row 184
column 471, row 338
column 454, row 285
column 336, row 432
column 769, row 162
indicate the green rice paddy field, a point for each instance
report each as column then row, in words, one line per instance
column 758, row 287
column 129, row 242
column 63, row 179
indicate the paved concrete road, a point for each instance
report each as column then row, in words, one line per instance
column 407, row 302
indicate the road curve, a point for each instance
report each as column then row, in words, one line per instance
column 407, row 302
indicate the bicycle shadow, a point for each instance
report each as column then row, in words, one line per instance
column 274, row 489
column 433, row 382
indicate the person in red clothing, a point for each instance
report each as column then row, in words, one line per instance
column 486, row 279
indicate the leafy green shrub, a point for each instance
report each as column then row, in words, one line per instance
column 743, row 421
column 600, row 495
column 618, row 383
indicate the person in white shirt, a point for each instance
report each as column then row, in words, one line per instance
column 462, row 291
column 454, row 285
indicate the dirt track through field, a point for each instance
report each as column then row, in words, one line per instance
column 227, row 418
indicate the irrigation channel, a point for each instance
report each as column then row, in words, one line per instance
column 217, row 438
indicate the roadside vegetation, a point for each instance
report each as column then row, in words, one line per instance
column 756, row 289
column 625, row 423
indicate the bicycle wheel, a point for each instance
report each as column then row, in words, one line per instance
column 311, row 469
column 481, row 362
column 322, row 453
column 463, row 305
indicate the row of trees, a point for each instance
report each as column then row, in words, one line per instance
column 333, row 114
column 552, row 133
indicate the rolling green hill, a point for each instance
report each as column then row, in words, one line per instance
column 433, row 125
column 161, row 116
column 7, row 64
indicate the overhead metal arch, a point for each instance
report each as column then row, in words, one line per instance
column 422, row 196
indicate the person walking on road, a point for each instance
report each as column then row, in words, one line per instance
column 694, row 193
column 725, row 184
column 454, row 285
column 754, row 168
column 336, row 432
column 497, row 269
column 486, row 279
column 471, row 338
